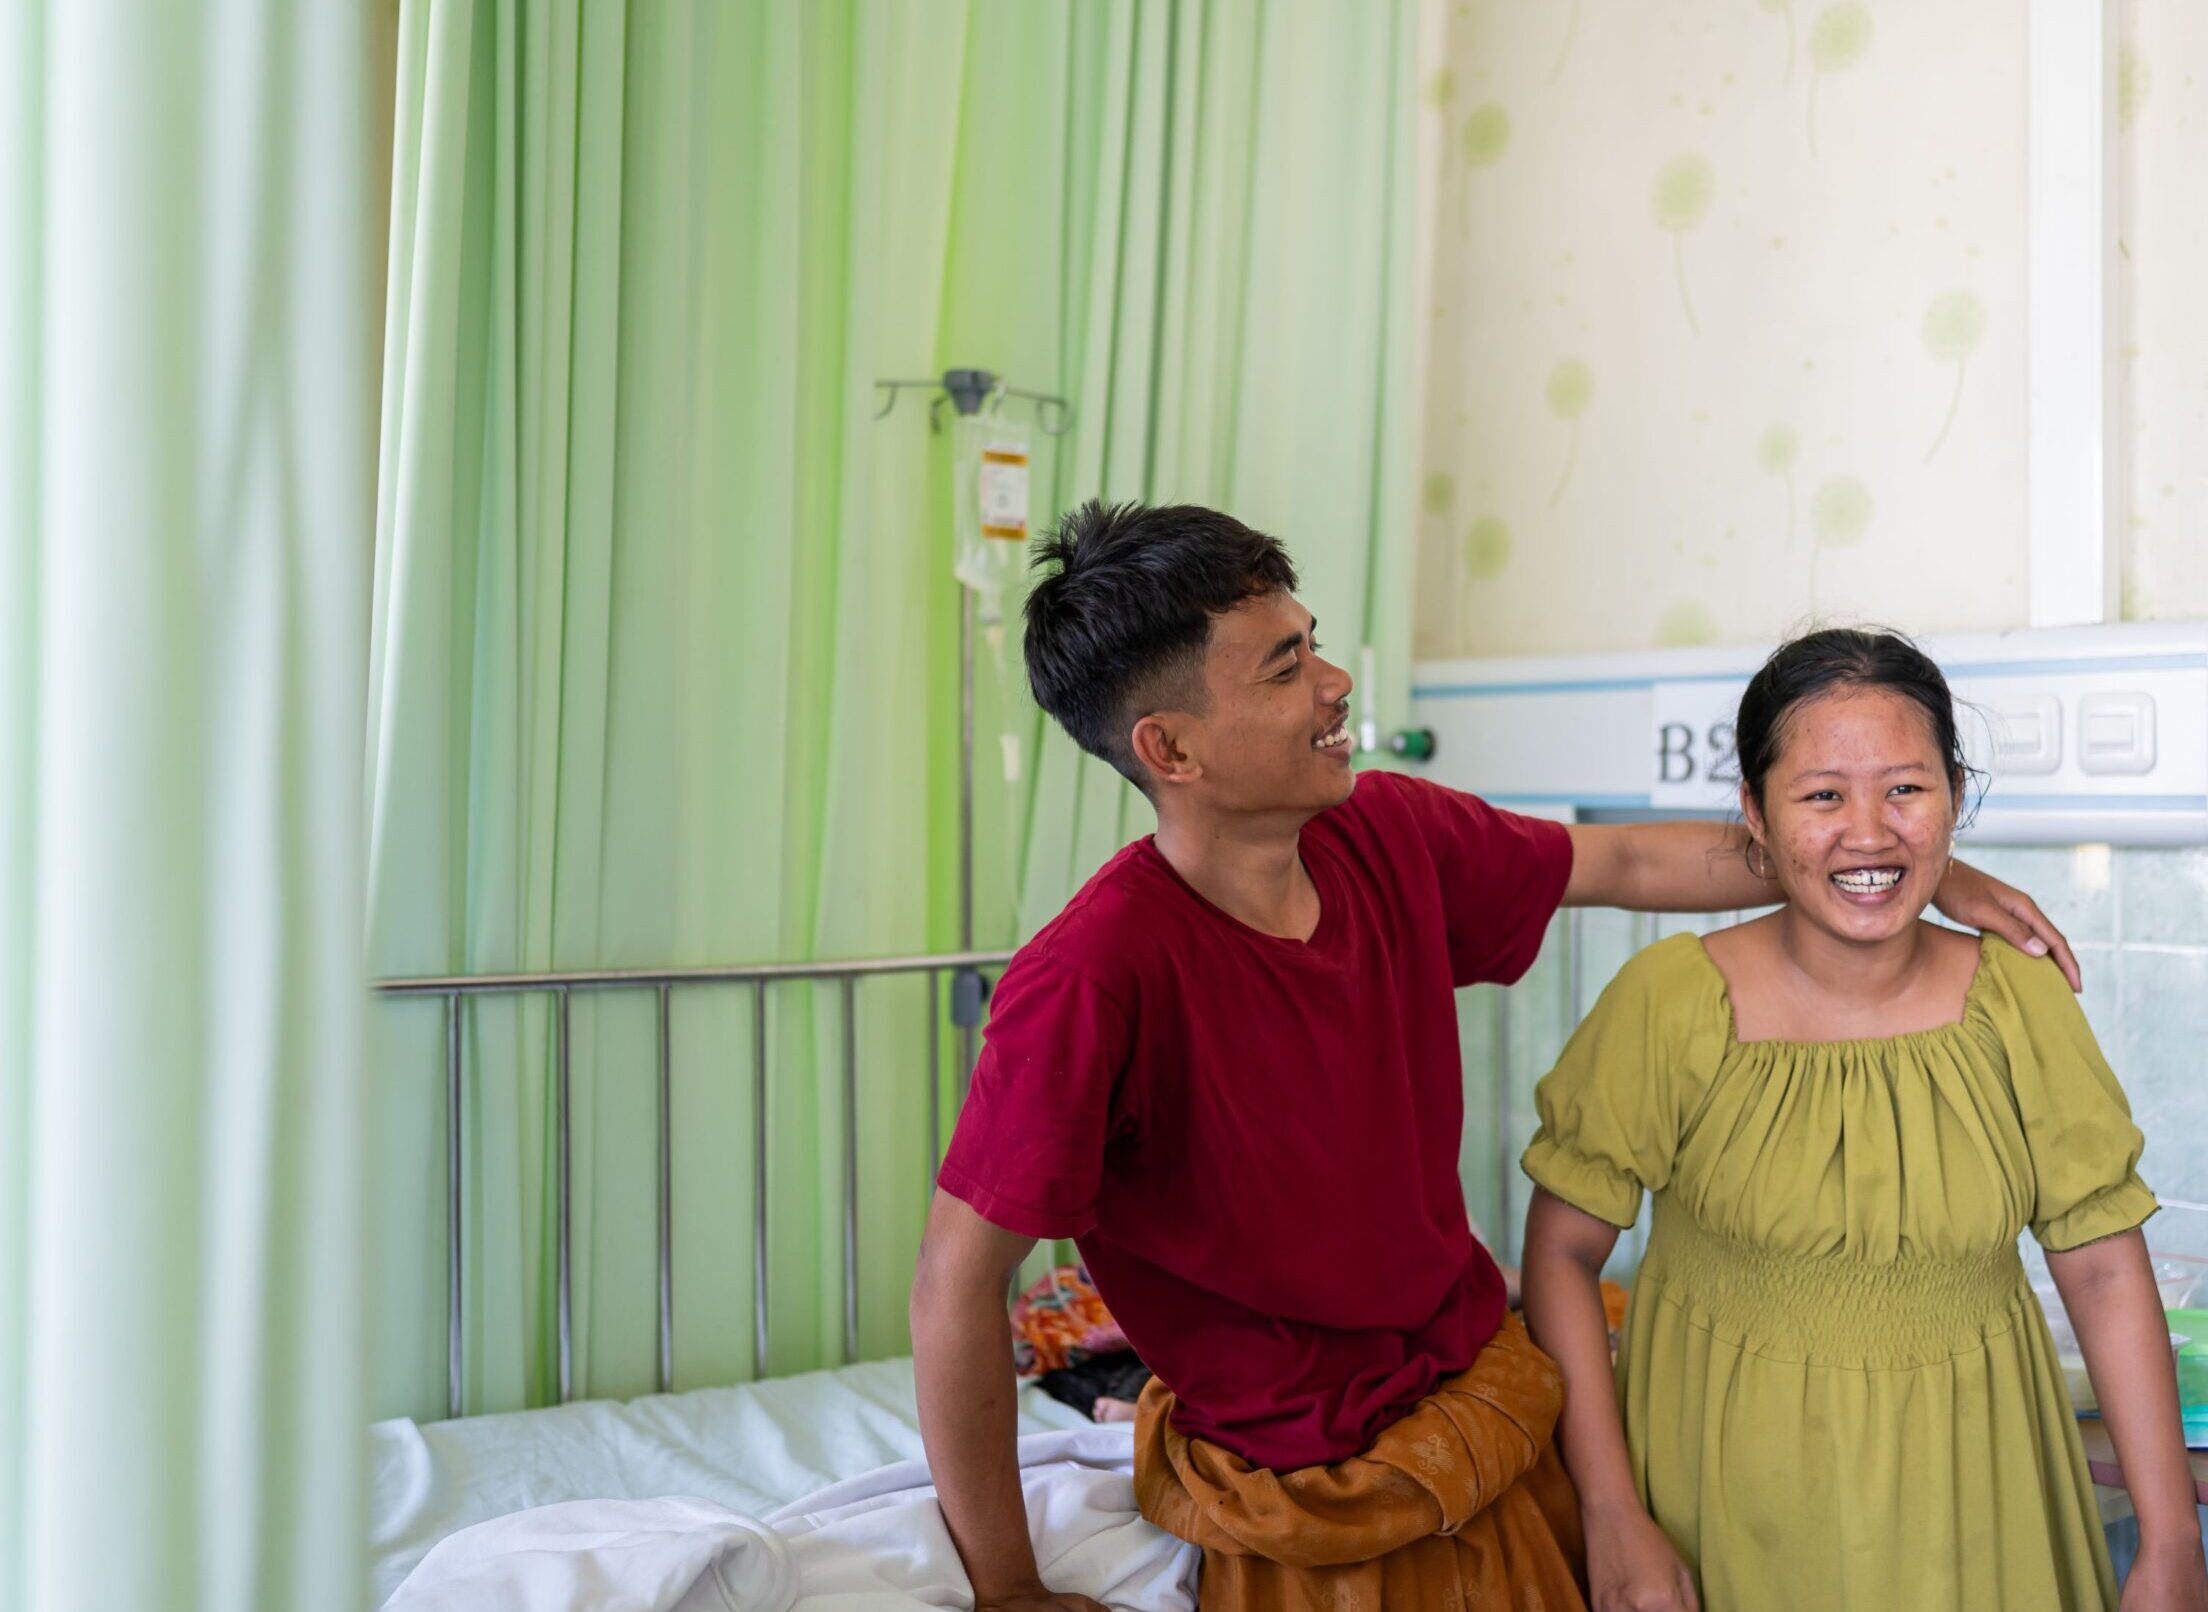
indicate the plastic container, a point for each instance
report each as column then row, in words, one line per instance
column 2178, row 1279
column 990, row 529
column 2189, row 1337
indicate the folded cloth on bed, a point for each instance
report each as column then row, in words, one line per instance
column 672, row 1555
column 1463, row 1502
column 753, row 1448
column 875, row 1542
column 1113, row 1381
column 1061, row 1321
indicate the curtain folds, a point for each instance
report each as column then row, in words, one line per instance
column 186, row 455
column 663, row 661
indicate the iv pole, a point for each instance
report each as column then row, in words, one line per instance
column 968, row 390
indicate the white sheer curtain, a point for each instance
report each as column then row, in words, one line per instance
column 187, row 392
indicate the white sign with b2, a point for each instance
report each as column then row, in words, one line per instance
column 1692, row 766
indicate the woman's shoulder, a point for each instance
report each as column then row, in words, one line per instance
column 2012, row 984
column 1670, row 961
column 1672, row 979
column 1999, row 957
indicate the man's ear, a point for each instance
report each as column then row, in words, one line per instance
column 1159, row 743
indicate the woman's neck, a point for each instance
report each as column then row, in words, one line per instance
column 1852, row 972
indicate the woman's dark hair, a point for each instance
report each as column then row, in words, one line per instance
column 1118, row 623
column 1838, row 658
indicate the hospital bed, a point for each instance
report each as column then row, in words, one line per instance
column 753, row 1447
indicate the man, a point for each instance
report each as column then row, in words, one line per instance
column 1229, row 1070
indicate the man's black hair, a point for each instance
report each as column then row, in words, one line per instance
column 1119, row 620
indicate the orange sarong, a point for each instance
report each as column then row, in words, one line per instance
column 1463, row 1503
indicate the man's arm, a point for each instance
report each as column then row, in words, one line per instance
column 962, row 1365
column 1703, row 867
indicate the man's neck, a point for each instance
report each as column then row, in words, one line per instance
column 1249, row 867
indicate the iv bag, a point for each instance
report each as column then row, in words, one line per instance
column 990, row 528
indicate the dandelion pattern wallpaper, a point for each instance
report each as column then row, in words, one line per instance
column 1724, row 318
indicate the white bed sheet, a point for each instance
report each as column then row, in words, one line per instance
column 753, row 1448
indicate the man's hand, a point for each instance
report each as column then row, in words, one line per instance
column 1041, row 1601
column 1980, row 901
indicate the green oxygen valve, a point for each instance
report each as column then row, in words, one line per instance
column 1412, row 744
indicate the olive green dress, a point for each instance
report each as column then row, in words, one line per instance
column 1838, row 1389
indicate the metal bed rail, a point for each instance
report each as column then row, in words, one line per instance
column 969, row 973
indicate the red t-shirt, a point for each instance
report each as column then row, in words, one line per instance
column 1253, row 1140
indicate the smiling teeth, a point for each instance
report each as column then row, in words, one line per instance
column 1334, row 740
column 1868, row 879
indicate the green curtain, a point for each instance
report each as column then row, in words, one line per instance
column 664, row 650
column 186, row 459
column 1232, row 315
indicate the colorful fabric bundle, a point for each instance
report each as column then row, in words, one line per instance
column 1061, row 1321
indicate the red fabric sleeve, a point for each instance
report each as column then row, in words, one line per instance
column 1028, row 1153
column 1502, row 879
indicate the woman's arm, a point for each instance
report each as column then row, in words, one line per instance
column 1631, row 1566
column 2109, row 1291
column 1703, row 867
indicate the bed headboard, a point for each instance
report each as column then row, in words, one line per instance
column 2085, row 734
column 970, row 975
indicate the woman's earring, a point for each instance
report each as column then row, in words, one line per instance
column 1767, row 871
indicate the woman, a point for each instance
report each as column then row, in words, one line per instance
column 1837, row 1389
